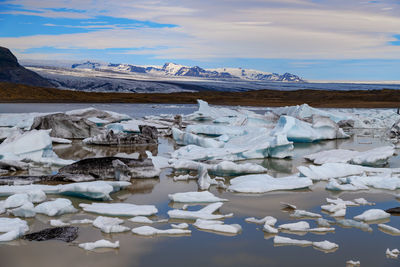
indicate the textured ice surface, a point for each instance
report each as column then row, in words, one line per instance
column 262, row 183
column 304, row 213
column 205, row 213
column 119, row 209
column 58, row 223
column 110, row 225
column 195, row 197
column 348, row 223
column 55, row 207
column 27, row 210
column 185, row 138
column 180, row 226
column 99, row 244
column 282, row 241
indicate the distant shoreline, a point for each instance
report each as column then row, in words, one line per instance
column 385, row 98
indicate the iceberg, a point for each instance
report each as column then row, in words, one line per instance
column 12, row 228
column 269, row 220
column 204, row 180
column 195, row 197
column 16, row 201
column 150, row 231
column 110, row 225
column 119, row 209
column 217, row 226
column 56, row 207
column 185, row 138
column 262, row 183
column 94, row 190
column 180, row 226
column 373, row 157
column 58, row 223
column 304, row 111
column 217, row 130
column 284, row 241
column 270, row 229
column 301, row 226
column 303, row 132
column 372, row 215
column 394, row 253
column 348, row 223
column 325, row 245
column 389, row 229
column 99, row 244
column 27, row 210
column 305, row 214
column 205, row 213
column 141, row 219
column 206, row 113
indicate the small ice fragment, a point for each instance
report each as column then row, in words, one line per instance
column 16, row 200
column 83, row 221
column 372, row 215
column 119, row 209
column 99, row 244
column 288, row 206
column 205, row 213
column 352, row 263
column 325, row 245
column 12, row 228
column 323, row 222
column 58, row 223
column 266, row 220
column 284, row 241
column 363, row 201
column 301, row 226
column 270, row 229
column 348, row 223
column 304, row 213
column 110, row 225
column 388, row 229
column 180, row 226
column 149, row 231
column 394, row 253
column 141, row 219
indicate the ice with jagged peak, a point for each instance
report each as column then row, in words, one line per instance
column 206, row 112
column 301, row 226
column 373, row 157
column 150, row 231
column 185, row 138
column 56, row 207
column 257, row 144
column 195, row 197
column 389, row 229
column 204, row 181
column 110, row 225
column 221, row 168
column 34, row 145
column 12, row 228
column 119, row 209
column 58, row 223
column 262, row 183
column 303, row 132
column 304, row 111
column 218, row 226
column 348, row 223
column 305, row 214
column 94, row 190
column 27, row 210
column 266, row 220
column 206, row 213
column 372, row 215
column 99, row 244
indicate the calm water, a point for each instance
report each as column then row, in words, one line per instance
column 250, row 248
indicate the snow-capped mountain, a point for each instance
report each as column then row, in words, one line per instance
column 176, row 70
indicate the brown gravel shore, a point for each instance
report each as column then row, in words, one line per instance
column 385, row 98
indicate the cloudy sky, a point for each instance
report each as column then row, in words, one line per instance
column 317, row 39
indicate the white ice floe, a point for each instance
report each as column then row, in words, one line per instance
column 363, row 182
column 217, row 226
column 323, row 222
column 58, row 223
column 325, row 245
column 195, row 197
column 270, row 229
column 304, row 213
column 12, row 228
column 394, row 253
column 372, row 215
column 338, row 201
column 373, row 157
column 348, row 223
column 55, row 207
column 303, row 132
column 83, row 221
column 389, row 229
column 57, row 140
column 99, row 244
column 149, row 231
column 266, row 220
column 262, row 183
column 110, row 225
column 205, row 213
column 141, row 219
column 363, row 201
column 94, row 190
column 27, row 210
column 217, row 130
column 34, row 145
column 351, row 263
column 16, row 200
column 221, row 168
column 282, row 241
column 337, row 209
column 206, row 112
column 119, row 209
column 180, row 226
column 204, row 181
column 185, row 138
column 301, row 226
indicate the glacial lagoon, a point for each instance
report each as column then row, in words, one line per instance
column 251, row 247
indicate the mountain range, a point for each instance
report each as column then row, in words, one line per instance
column 176, row 70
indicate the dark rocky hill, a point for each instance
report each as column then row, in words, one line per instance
column 12, row 71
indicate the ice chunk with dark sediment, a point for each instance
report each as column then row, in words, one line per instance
column 66, row 234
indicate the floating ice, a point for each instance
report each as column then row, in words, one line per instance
column 348, row 223
column 301, row 226
column 206, row 112
column 110, row 225
column 266, row 220
column 141, row 219
column 217, row 130
column 282, row 241
column 132, row 126
column 184, row 177
column 55, row 207
column 27, row 210
column 195, row 197
column 16, row 201
column 270, row 229
column 341, row 201
column 83, row 221
column 57, row 140
column 109, row 116
column 325, row 245
column 94, row 190
column 372, row 215
column 388, row 229
column 99, row 244
column 217, row 226
column 12, row 228
column 352, row 263
column 58, row 223
column 149, row 231
column 374, row 157
column 303, row 132
column 204, row 180
column 304, row 213
column 180, row 226
column 363, row 201
column 119, row 209
column 262, row 183
column 323, row 222
column 185, row 138
column 304, row 111
column 205, row 213
column 394, row 253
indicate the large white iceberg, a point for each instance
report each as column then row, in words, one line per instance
column 119, row 209
column 262, row 183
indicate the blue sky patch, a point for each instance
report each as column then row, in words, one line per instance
column 397, row 43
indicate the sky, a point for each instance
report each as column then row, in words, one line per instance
column 343, row 40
